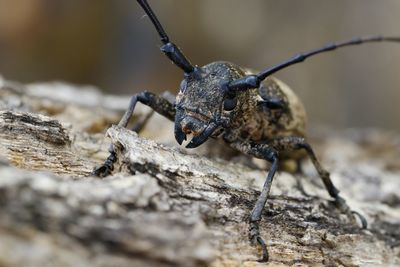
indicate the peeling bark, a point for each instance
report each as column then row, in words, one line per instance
column 166, row 207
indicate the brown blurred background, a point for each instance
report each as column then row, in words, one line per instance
column 111, row 45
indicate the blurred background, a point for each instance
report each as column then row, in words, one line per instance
column 112, row 45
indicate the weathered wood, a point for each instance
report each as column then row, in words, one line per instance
column 165, row 207
column 300, row 228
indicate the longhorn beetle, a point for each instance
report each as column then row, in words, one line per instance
column 254, row 113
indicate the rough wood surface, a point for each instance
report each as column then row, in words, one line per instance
column 166, row 207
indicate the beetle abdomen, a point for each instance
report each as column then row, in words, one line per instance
column 289, row 120
column 278, row 112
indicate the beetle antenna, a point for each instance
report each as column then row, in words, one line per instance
column 253, row 81
column 168, row 48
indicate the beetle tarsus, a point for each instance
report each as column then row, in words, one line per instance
column 343, row 207
column 107, row 167
column 255, row 238
column 364, row 223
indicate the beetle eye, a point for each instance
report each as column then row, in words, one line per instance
column 183, row 86
column 230, row 104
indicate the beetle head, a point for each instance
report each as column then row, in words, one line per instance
column 204, row 106
column 204, row 103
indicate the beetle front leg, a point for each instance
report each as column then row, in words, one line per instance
column 161, row 105
column 170, row 97
column 263, row 151
column 255, row 217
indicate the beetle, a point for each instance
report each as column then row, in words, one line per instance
column 254, row 113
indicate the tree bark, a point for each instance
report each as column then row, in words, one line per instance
column 164, row 206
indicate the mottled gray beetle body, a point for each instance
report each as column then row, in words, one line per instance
column 201, row 100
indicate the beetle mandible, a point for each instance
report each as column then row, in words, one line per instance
column 252, row 112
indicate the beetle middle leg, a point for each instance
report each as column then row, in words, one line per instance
column 296, row 143
column 269, row 151
column 159, row 104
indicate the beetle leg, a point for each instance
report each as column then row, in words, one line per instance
column 138, row 126
column 255, row 217
column 159, row 104
column 269, row 152
column 295, row 143
column 263, row 151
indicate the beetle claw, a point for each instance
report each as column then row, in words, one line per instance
column 255, row 238
column 342, row 205
column 107, row 167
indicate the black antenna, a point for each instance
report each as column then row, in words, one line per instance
column 169, row 48
column 253, row 81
